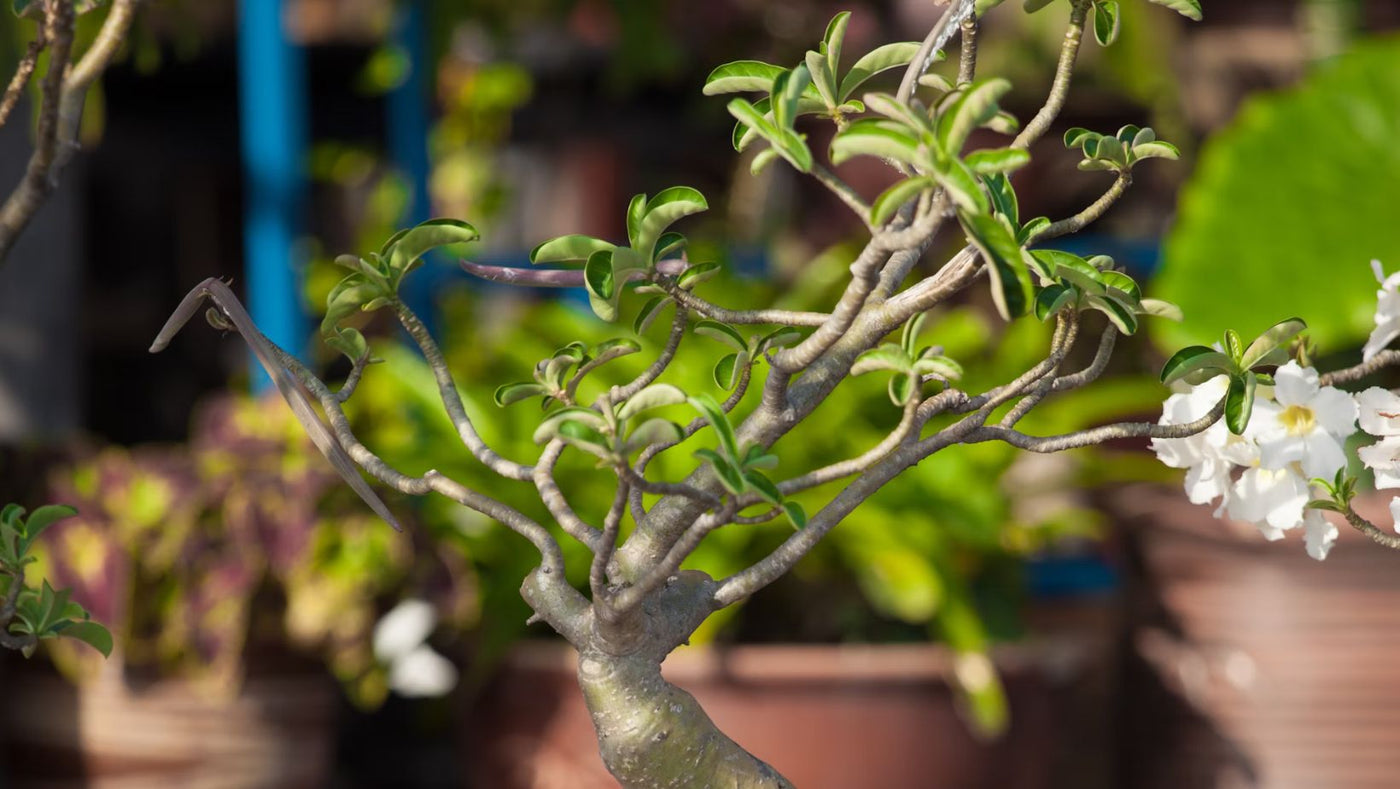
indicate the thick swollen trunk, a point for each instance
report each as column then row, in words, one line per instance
column 654, row 735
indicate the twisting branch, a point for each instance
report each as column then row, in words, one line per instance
column 347, row 389
column 452, row 401
column 656, row 368
column 631, row 477
column 907, row 425
column 229, row 314
column 1089, row 215
column 1095, row 368
column 23, row 72
column 1369, row 529
column 1059, row 348
column 1353, row 374
column 557, row 504
column 865, row 272
column 933, row 42
column 61, row 110
column 632, row 596
column 740, row 317
column 1064, row 73
column 1096, row 435
column 598, row 572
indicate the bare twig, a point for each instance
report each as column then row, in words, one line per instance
column 23, row 72
column 656, row 368
column 1090, row 214
column 557, row 504
column 1369, row 529
column 1348, row 375
column 612, row 523
column 1064, row 73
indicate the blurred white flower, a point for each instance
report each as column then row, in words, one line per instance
column 400, row 642
column 1272, row 499
column 1209, row 457
column 1380, row 416
column 1308, row 427
column 1387, row 313
column 1319, row 534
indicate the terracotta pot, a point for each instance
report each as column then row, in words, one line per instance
column 824, row 716
column 278, row 733
column 1254, row 665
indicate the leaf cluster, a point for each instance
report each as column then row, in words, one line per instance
column 739, row 465
column 910, row 364
column 1119, row 152
column 43, row 613
column 1197, row 364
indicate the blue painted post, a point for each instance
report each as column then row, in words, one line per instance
column 408, row 111
column 272, row 103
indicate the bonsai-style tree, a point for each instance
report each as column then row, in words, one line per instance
column 640, row 604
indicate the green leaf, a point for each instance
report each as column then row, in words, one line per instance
column 581, row 436
column 514, row 393
column 1003, row 195
column 763, row 486
column 405, row 252
column 667, row 244
column 40, row 520
column 875, row 61
column 972, row 107
column 795, row 514
column 1191, row 9
column 636, row 210
column 762, row 159
column 1233, row 345
column 599, row 279
column 1162, row 309
column 609, row 350
column 721, row 332
column 742, row 76
column 902, row 387
column 1011, row 282
column 1192, row 359
column 793, row 148
column 886, row 357
column 654, row 431
column 962, row 185
column 714, row 414
column 568, row 249
column 1123, row 282
column 832, row 41
column 1239, row 402
column 729, row 475
column 997, row 160
column 1050, row 260
column 1031, row 231
column 550, row 427
column 909, row 335
column 90, row 633
column 822, row 78
column 1078, row 137
column 696, row 274
column 874, row 137
column 1053, row 298
column 664, row 210
column 1119, row 315
column 778, row 338
column 1156, row 150
column 935, row 364
column 890, row 200
column 654, row 396
column 649, row 312
column 787, row 91
column 758, row 457
column 1080, row 273
column 1106, row 22
column 1274, row 337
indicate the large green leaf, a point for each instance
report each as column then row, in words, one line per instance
column 875, row 61
column 742, row 76
column 405, row 252
column 568, row 249
column 1011, row 280
column 1191, row 9
column 902, row 192
column 873, row 137
column 663, row 211
column 976, row 105
column 1287, row 207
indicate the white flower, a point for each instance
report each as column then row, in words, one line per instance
column 1395, row 513
column 1210, row 456
column 1380, row 416
column 1319, row 534
column 1387, row 313
column 400, row 641
column 1272, row 499
column 422, row 673
column 1310, row 425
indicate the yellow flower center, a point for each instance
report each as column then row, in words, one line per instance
column 1299, row 420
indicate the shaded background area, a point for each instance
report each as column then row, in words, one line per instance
column 537, row 118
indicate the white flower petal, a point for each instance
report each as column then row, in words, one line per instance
column 1294, row 385
column 1323, row 456
column 1379, row 411
column 1272, row 496
column 1395, row 512
column 1383, row 457
column 1279, row 450
column 1335, row 411
column 1319, row 534
column 422, row 673
column 403, row 629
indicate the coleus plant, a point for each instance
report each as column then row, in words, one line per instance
column 640, row 602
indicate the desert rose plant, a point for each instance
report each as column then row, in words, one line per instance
column 639, row 604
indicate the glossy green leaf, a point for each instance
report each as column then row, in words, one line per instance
column 1011, row 282
column 1274, row 337
column 514, row 393
column 742, row 76
column 40, row 520
column 1121, row 281
column 696, row 274
column 721, row 332
column 1106, row 21
column 822, row 78
column 654, row 431
column 729, row 475
column 636, row 210
column 778, row 338
column 550, row 427
column 787, row 91
column 875, row 61
column 568, row 249
column 1161, row 309
column 973, row 106
column 581, row 436
column 890, row 200
column 1003, row 196
column 902, row 387
column 909, row 335
column 599, row 278
column 1053, row 298
column 654, row 396
column 1156, row 150
column 833, row 40
column 873, row 137
column 405, row 253
column 1192, row 359
column 997, row 160
column 90, row 633
column 763, row 486
column 1078, row 137
column 1239, row 402
column 668, row 244
column 886, row 357
column 795, row 514
column 1191, row 9
column 962, row 185
column 664, row 210
column 714, row 414
column 941, row 366
column 648, row 313
column 1118, row 314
